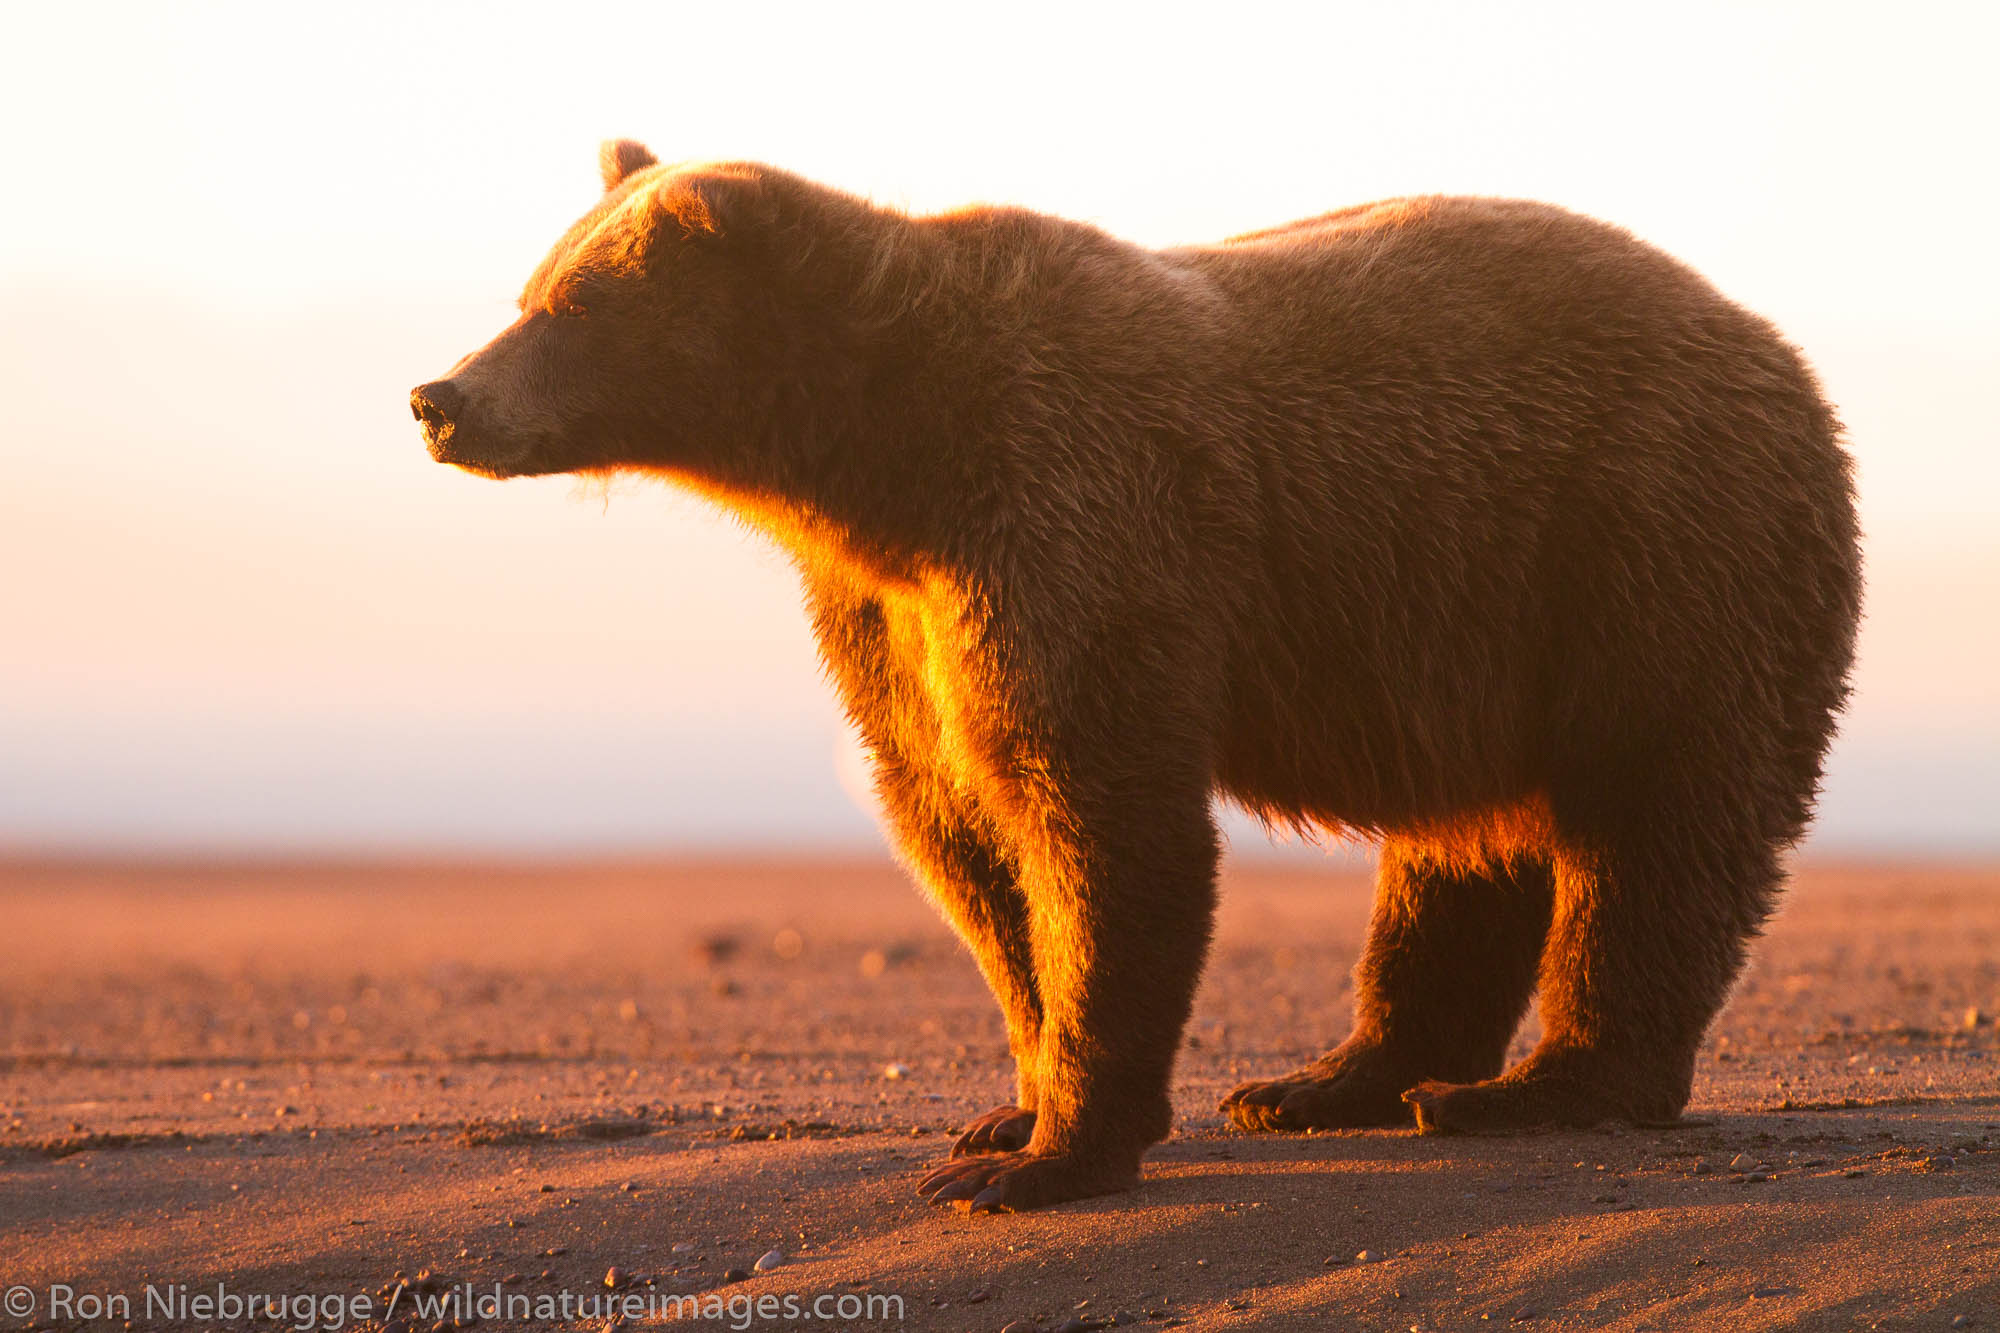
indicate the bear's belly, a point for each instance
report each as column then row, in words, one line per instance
column 1349, row 755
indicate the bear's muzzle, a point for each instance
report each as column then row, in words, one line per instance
column 436, row 406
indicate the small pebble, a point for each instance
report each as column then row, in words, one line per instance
column 1022, row 1326
column 1854, row 1173
column 769, row 1260
column 715, row 949
column 1743, row 1161
column 683, row 1247
column 735, row 1274
column 614, row 1277
column 1961, row 1321
column 1365, row 1257
column 894, row 1070
column 1975, row 1017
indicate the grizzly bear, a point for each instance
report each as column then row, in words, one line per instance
column 1470, row 526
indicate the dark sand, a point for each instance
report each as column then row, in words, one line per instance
column 299, row 1080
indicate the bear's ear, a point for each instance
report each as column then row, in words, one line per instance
column 619, row 158
column 728, row 203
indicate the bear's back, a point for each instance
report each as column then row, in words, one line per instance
column 1498, row 277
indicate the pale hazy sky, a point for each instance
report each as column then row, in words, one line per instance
column 242, row 608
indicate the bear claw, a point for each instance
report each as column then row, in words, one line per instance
column 1511, row 1105
column 1008, row 1182
column 1002, row 1129
column 1339, row 1102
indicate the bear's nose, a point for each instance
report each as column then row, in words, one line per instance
column 436, row 404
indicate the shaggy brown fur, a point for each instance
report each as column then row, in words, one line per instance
column 1468, row 524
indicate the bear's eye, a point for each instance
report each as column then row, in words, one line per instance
column 566, row 308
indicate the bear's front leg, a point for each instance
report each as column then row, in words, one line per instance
column 973, row 886
column 1119, row 877
column 876, row 655
column 976, row 891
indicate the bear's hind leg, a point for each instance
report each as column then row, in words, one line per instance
column 1648, row 935
column 1443, row 981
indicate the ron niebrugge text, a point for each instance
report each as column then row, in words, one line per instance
column 176, row 1302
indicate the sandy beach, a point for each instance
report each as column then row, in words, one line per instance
column 512, row 1080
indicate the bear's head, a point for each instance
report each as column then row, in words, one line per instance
column 656, row 334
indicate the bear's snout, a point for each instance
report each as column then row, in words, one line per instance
column 439, row 408
column 459, row 429
column 436, row 405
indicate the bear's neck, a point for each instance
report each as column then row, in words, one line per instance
column 880, row 453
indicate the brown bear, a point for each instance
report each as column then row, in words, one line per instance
column 1467, row 525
